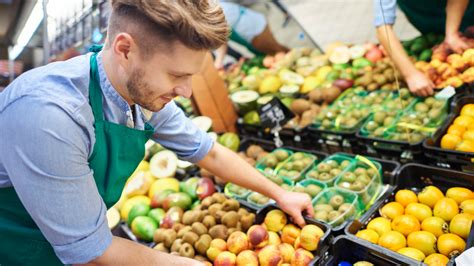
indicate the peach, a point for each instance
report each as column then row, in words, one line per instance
column 225, row 258
column 289, row 234
column 275, row 220
column 310, row 235
column 270, row 255
column 216, row 247
column 297, row 243
column 237, row 242
column 287, row 251
column 301, row 258
column 258, row 236
column 247, row 258
column 273, row 238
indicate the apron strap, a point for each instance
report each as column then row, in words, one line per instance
column 95, row 92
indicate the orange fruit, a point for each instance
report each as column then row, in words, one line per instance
column 405, row 197
column 450, row 141
column 423, row 241
column 463, row 121
column 465, row 146
column 468, row 110
column 392, row 240
column 450, row 244
column 420, row 211
column 369, row 235
column 392, row 210
column 468, row 135
column 406, row 224
column 456, row 130
column 430, row 195
column 436, row 259
column 412, row 253
column 461, row 224
column 446, row 209
column 459, row 194
column 380, row 225
column 435, row 225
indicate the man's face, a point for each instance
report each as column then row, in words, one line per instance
column 156, row 81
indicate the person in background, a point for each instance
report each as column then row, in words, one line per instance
column 251, row 27
column 448, row 17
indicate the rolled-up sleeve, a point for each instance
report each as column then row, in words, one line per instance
column 385, row 12
column 178, row 133
column 47, row 163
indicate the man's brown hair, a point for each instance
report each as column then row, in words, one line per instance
column 197, row 24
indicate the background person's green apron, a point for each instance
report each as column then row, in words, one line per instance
column 429, row 16
column 117, row 152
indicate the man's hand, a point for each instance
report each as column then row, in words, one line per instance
column 419, row 84
column 294, row 204
column 456, row 43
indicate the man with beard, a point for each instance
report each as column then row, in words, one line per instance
column 72, row 132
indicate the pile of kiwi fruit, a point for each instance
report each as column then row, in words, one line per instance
column 297, row 164
column 216, row 217
column 328, row 170
column 334, row 211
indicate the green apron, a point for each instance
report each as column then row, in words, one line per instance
column 429, row 16
column 116, row 153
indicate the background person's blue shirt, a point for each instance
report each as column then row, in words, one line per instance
column 46, row 138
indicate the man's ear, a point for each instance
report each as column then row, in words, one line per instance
column 123, row 48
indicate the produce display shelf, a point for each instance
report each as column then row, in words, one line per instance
column 456, row 160
column 413, row 177
column 335, row 141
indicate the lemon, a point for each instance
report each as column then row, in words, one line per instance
column 412, row 253
column 435, row 225
column 392, row 240
column 430, row 195
column 380, row 225
column 392, row 210
column 420, row 211
column 423, row 241
column 369, row 235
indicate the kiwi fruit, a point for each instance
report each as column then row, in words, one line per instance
column 205, row 203
column 218, row 231
column 203, row 244
column 176, row 245
column 199, row 228
column 231, row 230
column 177, row 226
column 323, row 207
column 253, row 151
column 246, row 221
column 214, row 208
column 324, row 176
column 323, row 168
column 161, row 247
column 219, row 197
column 183, row 230
column 230, row 205
column 347, row 209
column 299, row 189
column 190, row 237
column 242, row 212
column 158, row 235
column 280, row 155
column 230, row 219
column 209, row 221
column 335, row 217
column 201, row 258
column 321, row 215
column 313, row 190
column 169, row 237
column 336, row 201
column 186, row 250
column 219, row 215
column 360, row 171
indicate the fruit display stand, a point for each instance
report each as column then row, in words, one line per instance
column 401, row 139
column 403, row 216
column 348, row 250
column 451, row 156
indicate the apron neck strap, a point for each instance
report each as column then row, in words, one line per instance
column 95, row 92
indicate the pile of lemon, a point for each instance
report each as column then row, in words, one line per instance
column 430, row 227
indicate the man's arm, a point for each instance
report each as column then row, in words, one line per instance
column 126, row 252
column 418, row 83
column 454, row 13
column 228, row 165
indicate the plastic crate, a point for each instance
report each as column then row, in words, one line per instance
column 456, row 160
column 414, row 177
column 352, row 250
column 323, row 241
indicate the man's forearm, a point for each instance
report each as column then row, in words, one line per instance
column 126, row 252
column 454, row 13
column 227, row 165
column 394, row 48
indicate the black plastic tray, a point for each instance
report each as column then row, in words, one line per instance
column 335, row 141
column 456, row 160
column 323, row 242
column 351, row 249
column 414, row 177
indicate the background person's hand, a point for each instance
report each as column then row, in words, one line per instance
column 456, row 43
column 295, row 204
column 419, row 84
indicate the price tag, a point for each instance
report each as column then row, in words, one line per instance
column 274, row 115
column 446, row 93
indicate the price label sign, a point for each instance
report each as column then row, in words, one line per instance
column 274, row 114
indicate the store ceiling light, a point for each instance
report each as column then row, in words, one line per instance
column 31, row 25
